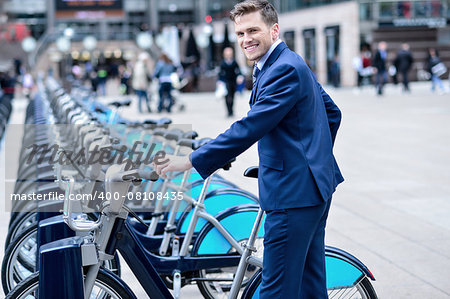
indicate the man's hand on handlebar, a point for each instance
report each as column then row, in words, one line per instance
column 171, row 163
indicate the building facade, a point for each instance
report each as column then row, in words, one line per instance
column 327, row 33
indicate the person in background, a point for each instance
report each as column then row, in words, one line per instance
column 124, row 74
column 163, row 71
column 436, row 69
column 379, row 63
column 229, row 73
column 363, row 66
column 403, row 63
column 102, row 76
column 335, row 71
column 27, row 84
column 8, row 83
column 140, row 82
column 94, row 81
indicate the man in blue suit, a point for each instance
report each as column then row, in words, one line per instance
column 295, row 123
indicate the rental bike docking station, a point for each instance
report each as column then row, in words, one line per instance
column 171, row 232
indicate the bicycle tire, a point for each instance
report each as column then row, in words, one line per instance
column 27, row 289
column 20, row 223
column 17, row 265
column 14, row 268
column 220, row 287
column 363, row 289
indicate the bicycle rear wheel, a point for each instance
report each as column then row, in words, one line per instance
column 362, row 289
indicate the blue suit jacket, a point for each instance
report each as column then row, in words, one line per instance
column 296, row 123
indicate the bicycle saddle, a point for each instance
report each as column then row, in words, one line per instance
column 251, row 172
column 123, row 103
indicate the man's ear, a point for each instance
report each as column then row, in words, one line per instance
column 275, row 32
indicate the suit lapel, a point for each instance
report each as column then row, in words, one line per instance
column 272, row 58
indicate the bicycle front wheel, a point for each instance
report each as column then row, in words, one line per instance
column 104, row 288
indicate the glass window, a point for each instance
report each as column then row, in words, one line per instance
column 309, row 38
column 404, row 9
column 422, row 8
column 332, row 47
column 365, row 11
column 436, row 8
column 387, row 9
column 289, row 39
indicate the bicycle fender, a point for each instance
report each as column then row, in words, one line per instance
column 339, row 261
column 238, row 221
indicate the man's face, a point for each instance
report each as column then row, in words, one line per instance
column 254, row 36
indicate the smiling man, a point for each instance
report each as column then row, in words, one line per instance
column 295, row 123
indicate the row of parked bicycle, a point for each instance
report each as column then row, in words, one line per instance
column 171, row 232
column 5, row 113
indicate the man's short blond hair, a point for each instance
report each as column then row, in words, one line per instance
column 268, row 12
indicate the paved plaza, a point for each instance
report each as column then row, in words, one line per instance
column 392, row 211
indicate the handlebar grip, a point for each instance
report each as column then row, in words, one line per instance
column 187, row 143
column 119, row 147
column 227, row 166
column 174, row 134
column 190, row 135
column 159, row 132
column 148, row 175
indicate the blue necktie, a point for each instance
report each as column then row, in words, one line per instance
column 255, row 73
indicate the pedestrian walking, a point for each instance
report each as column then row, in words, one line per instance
column 102, row 76
column 363, row 66
column 437, row 69
column 295, row 123
column 140, row 81
column 403, row 63
column 229, row 73
column 379, row 63
column 27, row 84
column 8, row 83
column 163, row 71
column 124, row 75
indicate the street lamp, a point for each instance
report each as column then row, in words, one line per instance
column 144, row 40
column 63, row 44
column 28, row 45
column 89, row 42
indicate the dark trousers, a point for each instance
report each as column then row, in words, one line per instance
column 142, row 95
column 165, row 89
column 294, row 253
column 229, row 98
column 380, row 80
column 405, row 80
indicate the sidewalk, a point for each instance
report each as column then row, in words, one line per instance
column 392, row 211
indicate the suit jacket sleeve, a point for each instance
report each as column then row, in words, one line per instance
column 333, row 113
column 278, row 94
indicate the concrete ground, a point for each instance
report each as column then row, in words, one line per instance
column 392, row 211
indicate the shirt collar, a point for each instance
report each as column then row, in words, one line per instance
column 262, row 61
